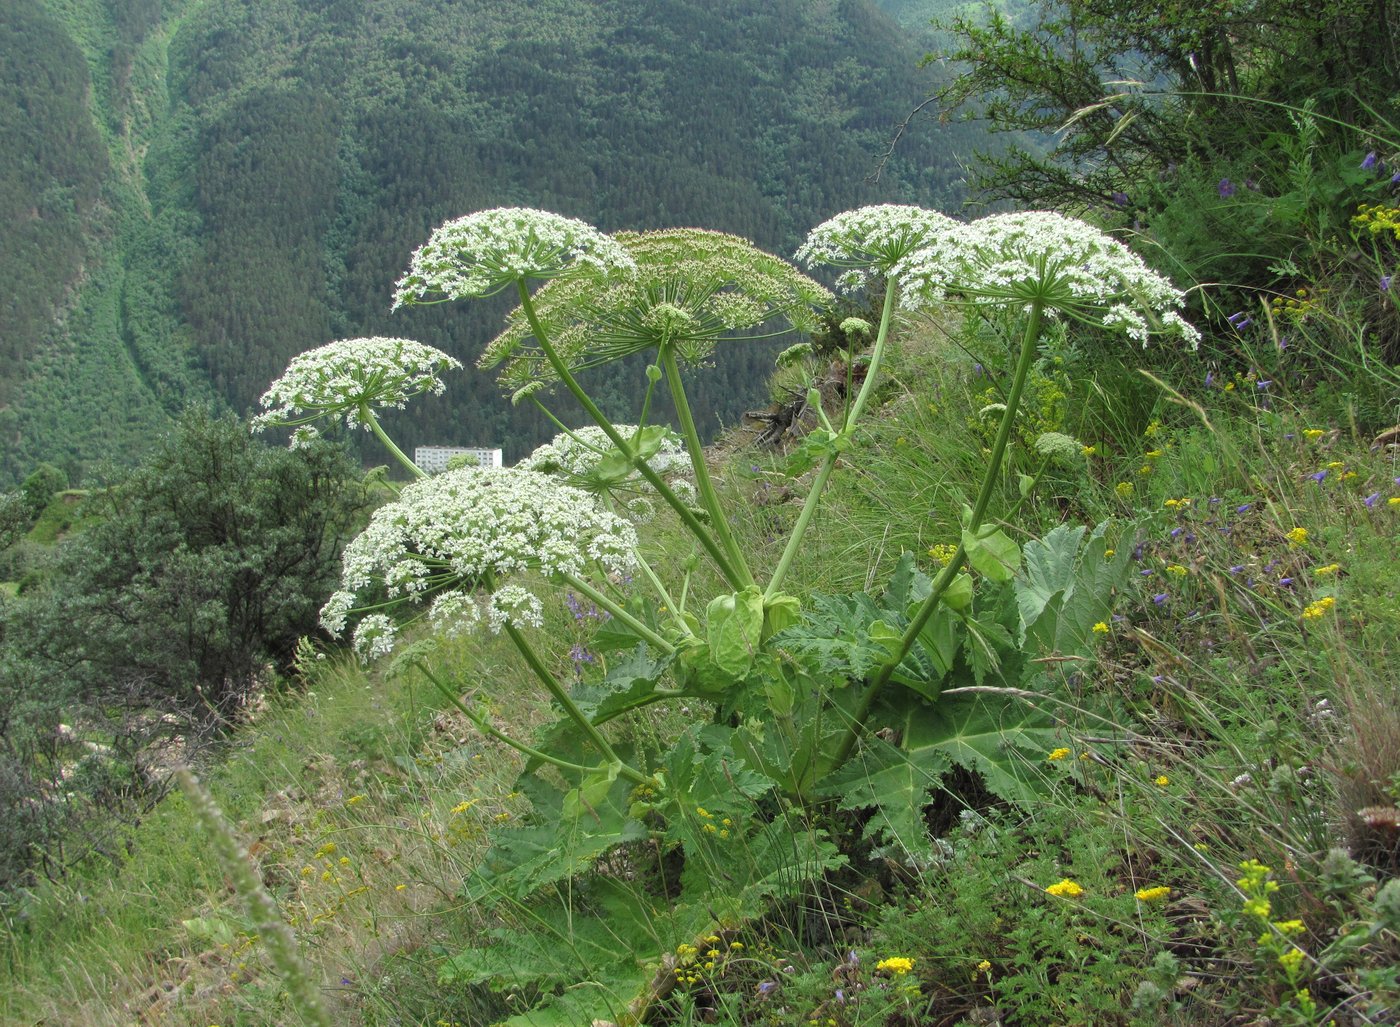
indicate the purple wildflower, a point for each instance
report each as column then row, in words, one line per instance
column 1282, row 343
column 1251, row 185
column 1319, row 476
column 1372, row 498
column 1263, row 384
column 1121, row 199
column 1243, row 508
column 1160, row 598
column 767, row 987
column 1395, row 178
column 1240, row 320
column 1285, row 582
column 1175, row 532
column 1237, row 568
column 1385, row 283
column 1369, row 162
column 1210, row 378
column 1226, row 188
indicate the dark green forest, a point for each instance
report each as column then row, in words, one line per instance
column 194, row 193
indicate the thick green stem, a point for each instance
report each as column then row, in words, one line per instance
column 485, row 728
column 670, row 607
column 367, row 415
column 686, row 515
column 571, row 708
column 867, row 699
column 877, row 354
column 709, row 499
column 619, row 614
column 828, row 464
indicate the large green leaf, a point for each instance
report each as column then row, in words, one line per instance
column 1002, row 741
column 1066, row 586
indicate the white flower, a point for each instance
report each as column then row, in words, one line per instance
column 515, row 606
column 336, row 379
column 872, row 240
column 485, row 252
column 1063, row 263
column 575, row 456
column 468, row 531
column 374, row 636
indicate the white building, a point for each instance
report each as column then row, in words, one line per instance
column 434, row 459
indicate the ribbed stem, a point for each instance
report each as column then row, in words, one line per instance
column 619, row 614
column 809, row 507
column 709, row 499
column 950, row 570
column 367, row 415
column 686, row 515
column 571, row 708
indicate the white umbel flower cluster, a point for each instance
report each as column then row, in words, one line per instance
column 485, row 252
column 1068, row 266
column 575, row 457
column 458, row 537
column 577, row 453
column 871, row 241
column 335, row 380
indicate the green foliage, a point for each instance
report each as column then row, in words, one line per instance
column 208, row 563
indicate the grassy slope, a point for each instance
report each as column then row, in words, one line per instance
column 1255, row 732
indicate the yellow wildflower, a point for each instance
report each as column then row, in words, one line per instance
column 1057, row 754
column 354, row 800
column 1101, row 628
column 942, row 553
column 1108, row 554
column 1393, row 501
column 1317, row 609
column 897, row 965
column 1176, row 569
column 1290, row 961
column 1065, row 889
column 1152, row 894
column 1161, row 781
column 1313, row 433
column 1331, row 568
column 1088, row 450
column 1297, row 537
column 1125, row 490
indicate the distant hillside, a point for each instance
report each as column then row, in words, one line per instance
column 201, row 190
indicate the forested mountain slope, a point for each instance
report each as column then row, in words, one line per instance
column 196, row 192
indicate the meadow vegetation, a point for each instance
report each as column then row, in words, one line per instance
column 1038, row 667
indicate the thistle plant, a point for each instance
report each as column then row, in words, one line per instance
column 349, row 380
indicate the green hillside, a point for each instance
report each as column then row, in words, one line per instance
column 204, row 190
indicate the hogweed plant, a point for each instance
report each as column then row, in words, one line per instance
column 862, row 700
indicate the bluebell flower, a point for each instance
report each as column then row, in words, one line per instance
column 1319, row 476
column 1369, row 162
column 1243, row 508
column 1385, row 283
column 1262, row 384
column 1240, row 320
column 1237, row 568
column 1372, row 498
column 1160, row 598
column 1226, row 188
column 1210, row 378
